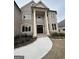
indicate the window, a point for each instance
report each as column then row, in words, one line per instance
column 32, row 4
column 63, row 29
column 29, row 28
column 39, row 17
column 54, row 26
column 27, row 17
column 26, row 28
column 23, row 29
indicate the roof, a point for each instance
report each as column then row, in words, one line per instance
column 35, row 4
column 17, row 6
column 53, row 11
column 62, row 23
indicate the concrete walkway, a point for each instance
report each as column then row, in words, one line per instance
column 35, row 50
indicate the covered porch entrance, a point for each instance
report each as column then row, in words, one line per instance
column 40, row 21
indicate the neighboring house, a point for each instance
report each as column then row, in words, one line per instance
column 36, row 18
column 61, row 26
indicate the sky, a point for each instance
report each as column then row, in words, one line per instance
column 58, row 5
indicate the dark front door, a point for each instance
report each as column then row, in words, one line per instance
column 39, row 28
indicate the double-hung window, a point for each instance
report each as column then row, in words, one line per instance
column 26, row 28
column 54, row 26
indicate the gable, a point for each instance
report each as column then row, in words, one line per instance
column 40, row 4
column 29, row 4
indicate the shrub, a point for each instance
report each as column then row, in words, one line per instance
column 20, row 40
column 24, row 35
column 55, row 34
column 62, row 34
column 58, row 35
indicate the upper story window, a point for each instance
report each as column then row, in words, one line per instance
column 54, row 27
column 27, row 17
column 39, row 17
column 32, row 4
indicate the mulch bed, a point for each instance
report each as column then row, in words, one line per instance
column 58, row 35
column 22, row 40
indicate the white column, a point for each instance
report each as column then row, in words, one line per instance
column 46, row 24
column 34, row 24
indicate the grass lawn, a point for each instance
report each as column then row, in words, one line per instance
column 57, row 51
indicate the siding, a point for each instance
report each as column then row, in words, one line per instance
column 26, row 10
column 17, row 20
column 52, row 20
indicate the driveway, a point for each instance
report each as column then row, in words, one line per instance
column 35, row 50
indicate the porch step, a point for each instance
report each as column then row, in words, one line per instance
column 41, row 35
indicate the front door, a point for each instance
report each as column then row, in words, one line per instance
column 39, row 28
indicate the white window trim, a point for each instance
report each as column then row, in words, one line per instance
column 25, row 31
column 21, row 28
column 29, row 17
